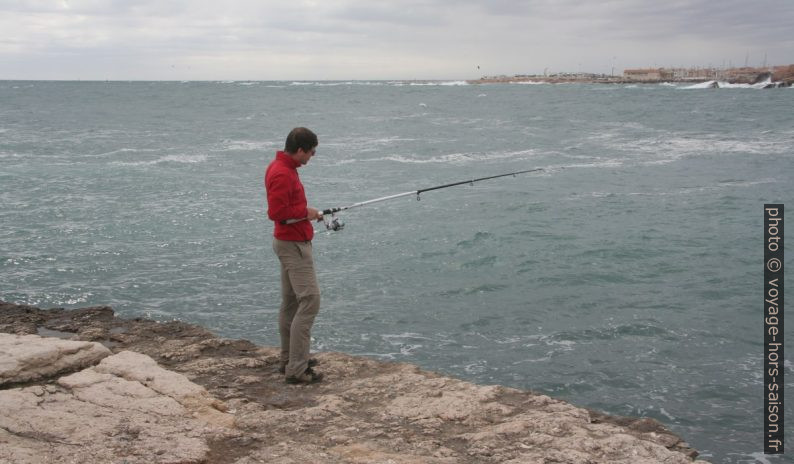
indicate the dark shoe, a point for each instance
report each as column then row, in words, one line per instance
column 283, row 367
column 308, row 376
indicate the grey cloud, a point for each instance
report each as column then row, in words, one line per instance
column 728, row 19
column 408, row 14
column 449, row 34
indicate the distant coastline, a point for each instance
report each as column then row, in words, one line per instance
column 770, row 77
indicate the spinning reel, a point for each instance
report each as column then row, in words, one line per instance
column 332, row 222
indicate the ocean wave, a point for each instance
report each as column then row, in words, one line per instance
column 675, row 148
column 181, row 159
column 455, row 158
column 125, row 150
column 665, row 147
column 336, row 83
column 247, row 145
column 651, row 329
column 438, row 83
column 405, row 335
column 483, row 288
column 487, row 261
column 478, row 239
column 603, row 163
column 726, row 85
column 363, row 144
column 720, row 185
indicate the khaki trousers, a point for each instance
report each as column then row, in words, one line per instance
column 300, row 302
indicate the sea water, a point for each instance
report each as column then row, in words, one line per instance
column 626, row 276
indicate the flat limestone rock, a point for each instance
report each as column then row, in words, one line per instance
column 26, row 358
column 140, row 368
column 127, row 406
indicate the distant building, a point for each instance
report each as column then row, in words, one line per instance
column 643, row 75
column 649, row 74
column 693, row 74
column 747, row 75
column 671, row 74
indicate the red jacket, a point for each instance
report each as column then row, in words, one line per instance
column 286, row 199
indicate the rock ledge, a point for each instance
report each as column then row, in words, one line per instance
column 173, row 392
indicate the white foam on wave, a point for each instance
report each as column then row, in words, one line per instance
column 409, row 335
column 566, row 344
column 674, row 148
column 439, row 83
column 247, row 145
column 726, row 85
column 336, row 83
column 125, row 150
column 366, row 144
column 604, row 163
column 701, row 85
column 665, row 147
column 667, row 414
column 456, row 158
column 182, row 159
column 450, row 158
column 333, row 84
column 687, row 191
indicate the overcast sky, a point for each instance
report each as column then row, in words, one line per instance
column 370, row 39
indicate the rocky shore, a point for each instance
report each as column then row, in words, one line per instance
column 86, row 386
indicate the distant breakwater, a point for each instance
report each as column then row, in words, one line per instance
column 763, row 80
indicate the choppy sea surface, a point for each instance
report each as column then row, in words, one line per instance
column 625, row 277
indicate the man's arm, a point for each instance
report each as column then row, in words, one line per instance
column 279, row 191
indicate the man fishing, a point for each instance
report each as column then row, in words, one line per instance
column 292, row 243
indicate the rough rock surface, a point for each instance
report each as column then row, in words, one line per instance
column 124, row 407
column 194, row 397
column 24, row 358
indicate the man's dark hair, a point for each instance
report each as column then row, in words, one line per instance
column 300, row 137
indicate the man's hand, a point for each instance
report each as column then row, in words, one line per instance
column 314, row 214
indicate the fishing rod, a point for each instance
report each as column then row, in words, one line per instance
column 333, row 223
